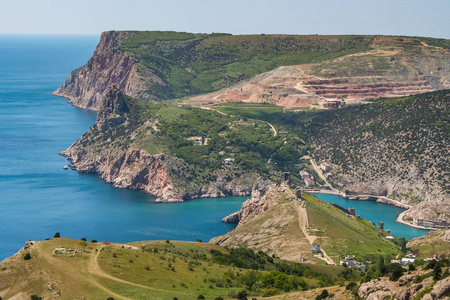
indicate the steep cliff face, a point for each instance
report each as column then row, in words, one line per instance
column 107, row 150
column 85, row 87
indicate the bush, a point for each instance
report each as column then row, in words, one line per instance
column 217, row 298
column 35, row 297
column 242, row 295
column 270, row 292
column 323, row 295
column 83, row 239
column 27, row 256
column 350, row 286
column 56, row 235
column 201, row 297
column 94, row 241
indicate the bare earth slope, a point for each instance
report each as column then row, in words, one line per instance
column 311, row 69
column 393, row 67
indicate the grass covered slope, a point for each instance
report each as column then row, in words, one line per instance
column 149, row 270
column 276, row 223
column 341, row 234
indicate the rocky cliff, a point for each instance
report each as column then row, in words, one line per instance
column 87, row 86
column 106, row 150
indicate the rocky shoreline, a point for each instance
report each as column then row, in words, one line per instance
column 379, row 199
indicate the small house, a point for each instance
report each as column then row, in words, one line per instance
column 326, row 167
column 351, row 263
column 315, row 248
column 407, row 260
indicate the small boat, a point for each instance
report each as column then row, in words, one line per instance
column 66, row 167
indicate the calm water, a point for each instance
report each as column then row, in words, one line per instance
column 38, row 197
column 375, row 212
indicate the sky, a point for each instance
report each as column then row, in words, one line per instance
column 388, row 17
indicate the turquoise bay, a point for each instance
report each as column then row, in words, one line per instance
column 39, row 198
column 376, row 212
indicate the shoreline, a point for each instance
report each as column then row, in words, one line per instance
column 399, row 219
column 383, row 200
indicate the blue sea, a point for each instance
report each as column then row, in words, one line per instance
column 38, row 197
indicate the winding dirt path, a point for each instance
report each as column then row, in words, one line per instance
column 303, row 223
column 225, row 114
column 95, row 269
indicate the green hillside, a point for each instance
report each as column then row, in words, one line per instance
column 341, row 235
column 149, row 270
column 197, row 143
column 191, row 64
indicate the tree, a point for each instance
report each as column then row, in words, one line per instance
column 83, row 244
column 437, row 271
column 56, row 235
column 250, row 279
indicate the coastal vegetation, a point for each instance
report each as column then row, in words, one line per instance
column 192, row 64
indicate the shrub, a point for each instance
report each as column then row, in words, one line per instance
column 27, row 256
column 35, row 297
column 94, row 241
column 56, row 235
column 83, row 239
column 350, row 286
column 270, row 292
column 242, row 295
column 201, row 297
column 218, row 298
column 323, row 295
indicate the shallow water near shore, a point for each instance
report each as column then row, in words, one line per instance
column 375, row 212
column 37, row 196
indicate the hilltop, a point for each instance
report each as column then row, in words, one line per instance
column 283, row 222
column 149, row 270
column 304, row 71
